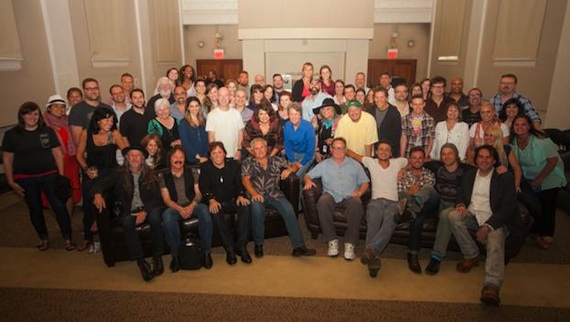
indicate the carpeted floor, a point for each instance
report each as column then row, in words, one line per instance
column 24, row 304
column 30, row 301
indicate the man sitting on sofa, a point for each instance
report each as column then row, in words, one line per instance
column 220, row 183
column 344, row 182
column 261, row 174
column 136, row 186
column 490, row 202
column 418, row 199
column 182, row 196
column 383, row 205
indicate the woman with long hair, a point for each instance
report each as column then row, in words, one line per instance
column 188, row 79
column 452, row 130
column 285, row 99
column 172, row 74
column 426, row 87
column 264, row 125
column 232, row 86
column 477, row 130
column 200, row 89
column 153, row 145
column 99, row 142
column 255, row 97
column 339, row 92
column 301, row 88
column 56, row 118
column 327, row 84
column 543, row 172
column 269, row 95
column 507, row 159
column 211, row 101
column 511, row 108
column 32, row 160
column 330, row 113
column 193, row 133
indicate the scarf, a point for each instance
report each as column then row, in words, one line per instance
column 61, row 123
column 328, row 124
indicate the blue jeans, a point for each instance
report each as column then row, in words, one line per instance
column 171, row 222
column 428, row 210
column 495, row 243
column 285, row 209
column 443, row 232
column 242, row 229
column 380, row 223
column 132, row 236
column 33, row 186
column 304, row 168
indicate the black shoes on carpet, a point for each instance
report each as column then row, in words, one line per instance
column 174, row 264
column 414, row 263
column 157, row 266
column 146, row 271
column 303, row 251
column 258, row 251
column 433, row 266
column 231, row 258
column 208, row 261
column 244, row 254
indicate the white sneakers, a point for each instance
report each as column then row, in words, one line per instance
column 333, row 248
column 349, row 252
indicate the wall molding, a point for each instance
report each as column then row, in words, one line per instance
column 305, row 33
column 10, row 64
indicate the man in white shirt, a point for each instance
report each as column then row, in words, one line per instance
column 383, row 205
column 225, row 124
column 490, row 202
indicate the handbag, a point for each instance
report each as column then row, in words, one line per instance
column 191, row 255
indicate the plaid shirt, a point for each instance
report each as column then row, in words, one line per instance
column 418, row 131
column 528, row 108
column 426, row 178
column 265, row 181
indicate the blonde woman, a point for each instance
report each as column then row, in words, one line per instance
column 507, row 159
column 477, row 130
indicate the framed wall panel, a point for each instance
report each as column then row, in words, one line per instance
column 10, row 51
column 108, row 35
column 165, row 22
column 518, row 39
column 451, row 15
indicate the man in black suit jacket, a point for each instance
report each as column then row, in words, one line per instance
column 489, row 204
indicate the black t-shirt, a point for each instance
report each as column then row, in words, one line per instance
column 134, row 126
column 80, row 114
column 470, row 118
column 32, row 149
column 221, row 184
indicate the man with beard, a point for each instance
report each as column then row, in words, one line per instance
column 181, row 194
column 136, row 186
column 401, row 102
column 243, row 82
column 134, row 123
column 178, row 108
column 314, row 100
column 165, row 88
column 471, row 114
column 277, row 86
column 81, row 113
column 358, row 129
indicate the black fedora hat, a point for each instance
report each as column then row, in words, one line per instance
column 328, row 102
column 137, row 148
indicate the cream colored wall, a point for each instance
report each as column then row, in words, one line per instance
column 34, row 81
column 558, row 115
column 194, row 34
column 418, row 32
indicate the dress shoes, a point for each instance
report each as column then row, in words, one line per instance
column 258, row 251
column 244, row 254
column 433, row 266
column 368, row 255
column 374, row 266
column 231, row 258
column 414, row 263
column 157, row 266
column 490, row 296
column 208, row 261
column 303, row 251
column 146, row 270
column 467, row 264
column 174, row 264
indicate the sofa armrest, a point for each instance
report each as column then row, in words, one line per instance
column 310, row 198
column 290, row 187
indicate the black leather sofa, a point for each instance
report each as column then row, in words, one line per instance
column 402, row 233
column 114, row 248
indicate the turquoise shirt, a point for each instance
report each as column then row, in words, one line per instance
column 534, row 158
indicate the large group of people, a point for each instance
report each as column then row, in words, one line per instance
column 484, row 155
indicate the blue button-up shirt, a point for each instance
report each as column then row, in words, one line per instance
column 339, row 181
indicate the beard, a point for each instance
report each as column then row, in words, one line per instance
column 164, row 93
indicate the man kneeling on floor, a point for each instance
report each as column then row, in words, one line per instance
column 344, row 182
column 261, row 174
column 490, row 202
column 136, row 186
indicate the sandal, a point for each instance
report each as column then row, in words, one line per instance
column 43, row 245
column 83, row 246
column 69, row 245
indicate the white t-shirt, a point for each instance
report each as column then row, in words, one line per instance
column 384, row 181
column 226, row 126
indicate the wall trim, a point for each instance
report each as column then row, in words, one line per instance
column 305, row 33
column 10, row 64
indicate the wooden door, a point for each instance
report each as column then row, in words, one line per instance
column 224, row 68
column 400, row 68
